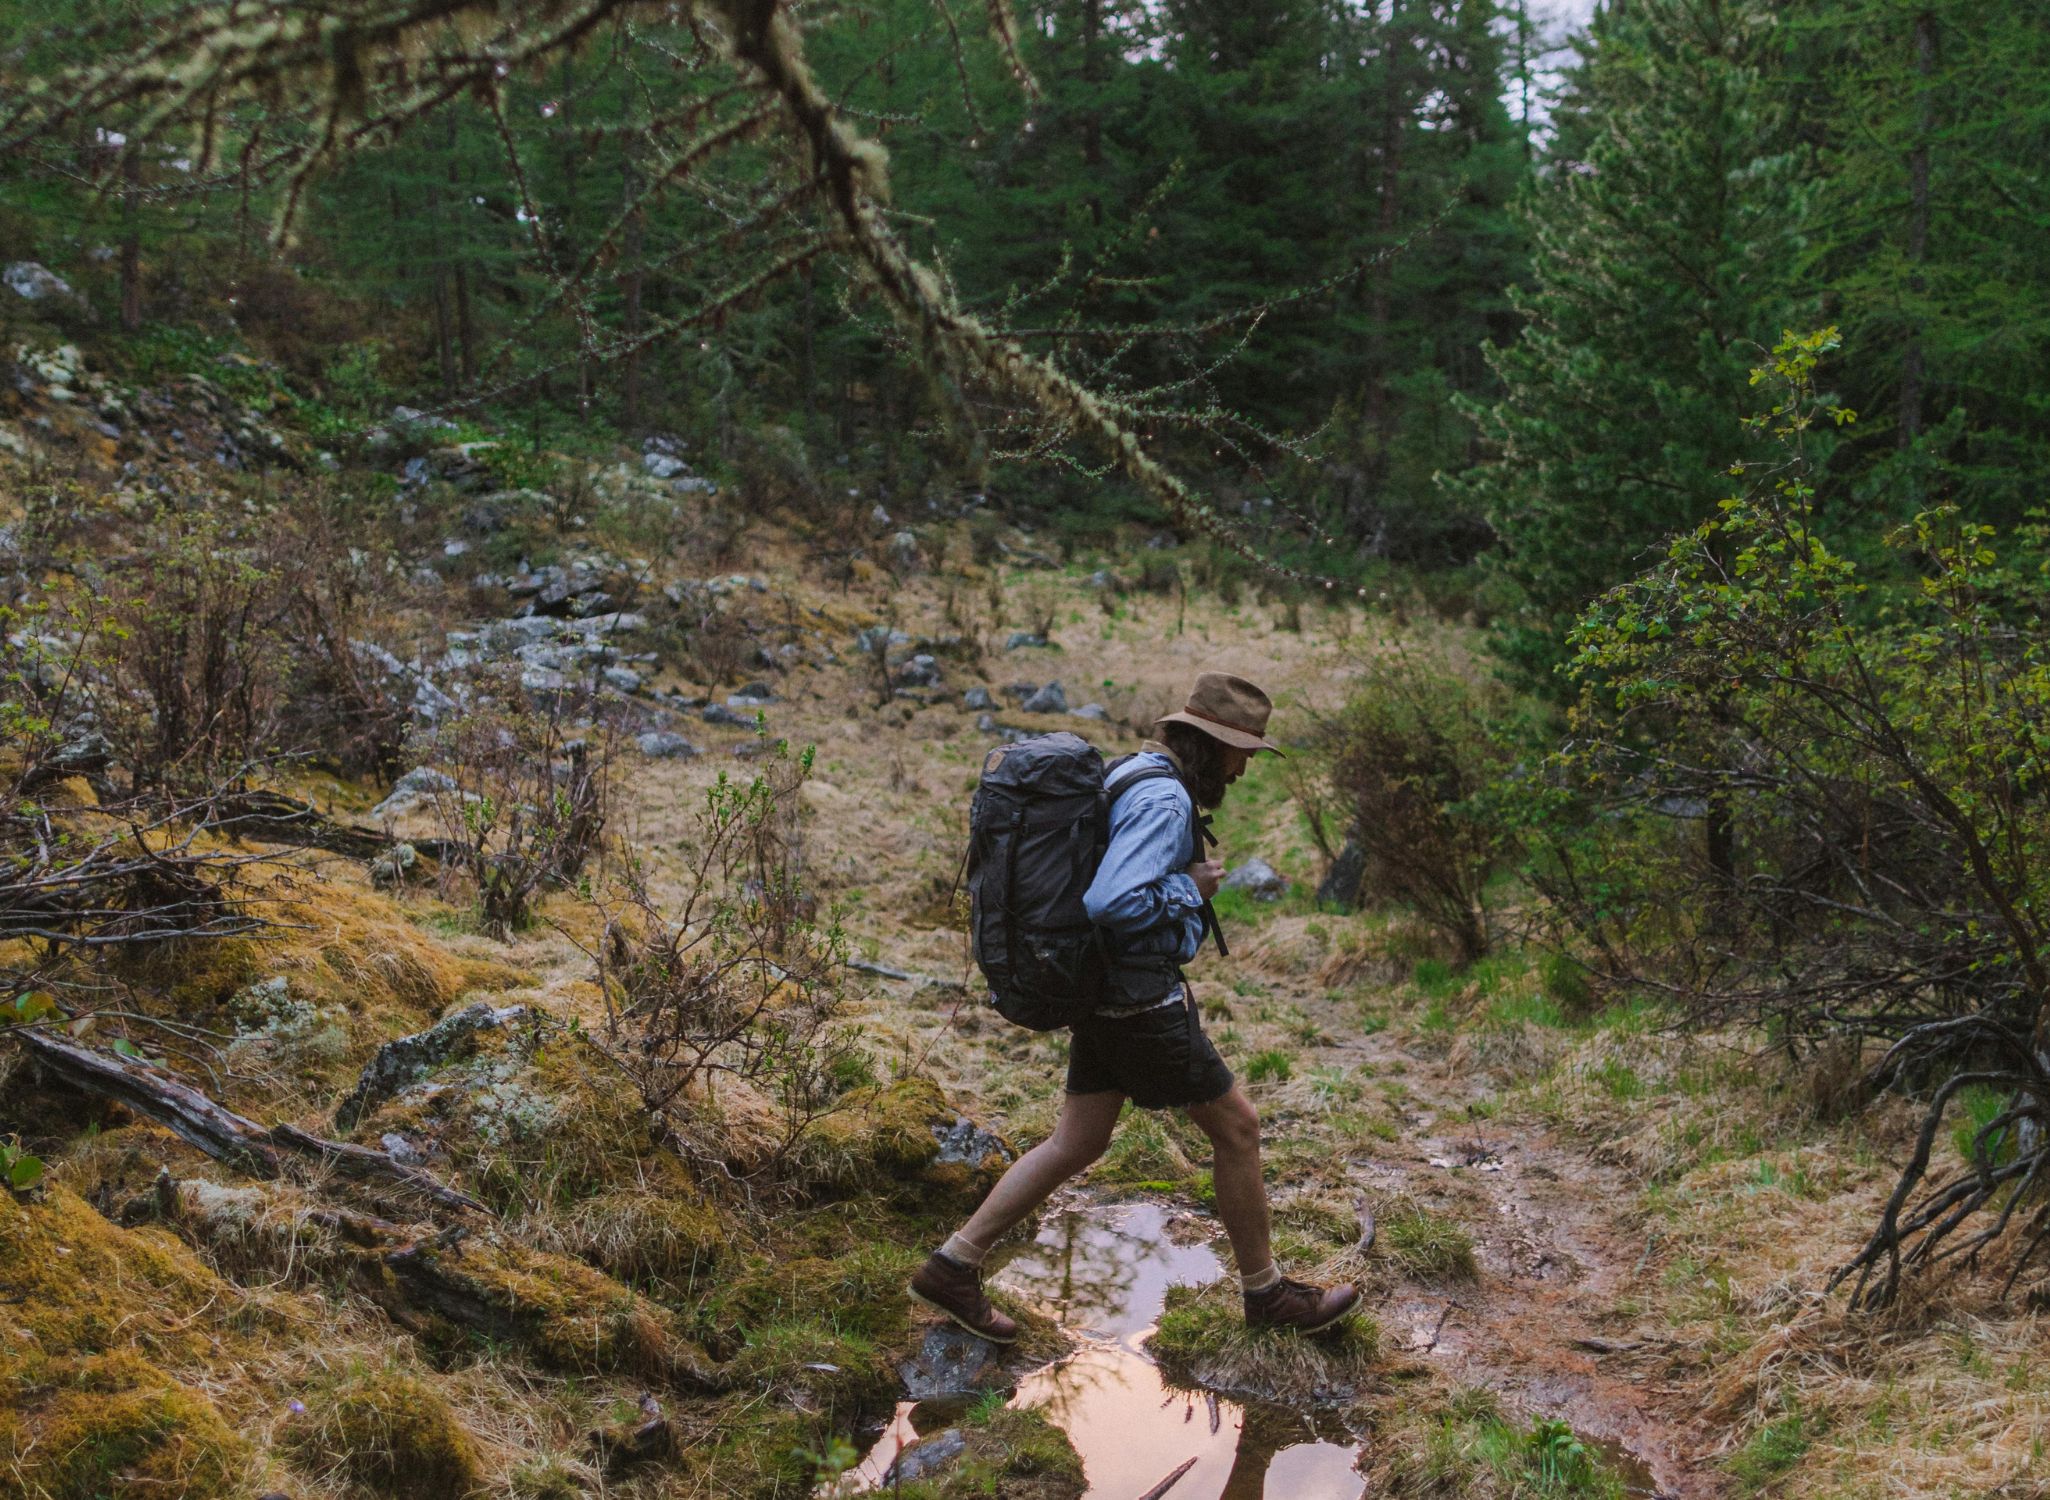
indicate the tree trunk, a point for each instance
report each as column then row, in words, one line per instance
column 1092, row 117
column 1910, row 423
column 131, row 241
column 1377, row 408
column 631, row 286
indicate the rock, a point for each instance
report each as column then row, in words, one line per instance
column 965, row 1141
column 621, row 679
column 38, row 283
column 1051, row 699
column 879, row 638
column 756, row 692
column 879, row 516
column 977, row 699
column 904, row 553
column 1021, row 639
column 664, row 465
column 1341, row 883
column 1257, row 879
column 1103, row 578
column 404, row 1059
column 394, row 865
column 926, row 1457
column 951, row 1362
column 1094, row 711
column 919, row 672
column 412, row 416
column 421, row 781
column 664, row 744
column 88, row 750
column 692, row 484
column 719, row 713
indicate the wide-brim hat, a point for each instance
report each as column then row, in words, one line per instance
column 1229, row 709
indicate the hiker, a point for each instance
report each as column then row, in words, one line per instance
column 1151, row 894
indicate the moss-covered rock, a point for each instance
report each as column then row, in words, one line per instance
column 906, row 1133
column 566, row 1314
column 114, row 1425
column 389, row 1433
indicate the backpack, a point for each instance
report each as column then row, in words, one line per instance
column 1037, row 830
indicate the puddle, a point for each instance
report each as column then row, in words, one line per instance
column 1104, row 1270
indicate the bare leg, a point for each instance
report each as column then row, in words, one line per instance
column 1233, row 1126
column 1084, row 1130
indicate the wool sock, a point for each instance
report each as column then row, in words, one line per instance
column 964, row 1251
column 1260, row 1281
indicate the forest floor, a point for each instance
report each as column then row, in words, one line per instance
column 1600, row 1246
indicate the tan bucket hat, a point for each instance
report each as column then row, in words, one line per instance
column 1226, row 708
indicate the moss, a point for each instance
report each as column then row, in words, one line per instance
column 116, row 1426
column 568, row 1315
column 893, row 1134
column 1145, row 1151
column 1012, row 1455
column 850, row 1314
column 666, row 1239
column 79, row 1284
column 1203, row 1339
column 387, row 1431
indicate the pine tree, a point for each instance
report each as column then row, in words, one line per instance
column 1661, row 263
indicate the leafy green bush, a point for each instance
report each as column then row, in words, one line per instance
column 1812, row 797
column 1418, row 761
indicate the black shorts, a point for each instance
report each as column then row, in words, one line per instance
column 1159, row 1059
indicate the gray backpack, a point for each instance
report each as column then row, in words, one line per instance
column 1037, row 830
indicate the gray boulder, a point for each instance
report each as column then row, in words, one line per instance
column 1094, row 711
column 951, row 1362
column 978, row 700
column 404, row 1059
column 719, row 713
column 36, row 282
column 664, row 465
column 1341, row 883
column 920, row 672
column 664, row 744
column 1021, row 639
column 1051, row 699
column 1257, row 879
column 421, row 781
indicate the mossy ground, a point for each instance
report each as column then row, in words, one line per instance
column 386, row 1431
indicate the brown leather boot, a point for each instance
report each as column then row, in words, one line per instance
column 956, row 1290
column 1298, row 1305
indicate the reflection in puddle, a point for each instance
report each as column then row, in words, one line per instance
column 1104, row 1271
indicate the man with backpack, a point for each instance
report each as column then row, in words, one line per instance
column 1112, row 972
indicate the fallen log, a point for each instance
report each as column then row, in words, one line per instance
column 218, row 1130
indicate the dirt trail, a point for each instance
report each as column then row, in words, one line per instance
column 1557, row 1255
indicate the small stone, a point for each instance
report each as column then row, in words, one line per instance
column 1094, row 711
column 1022, row 639
column 977, row 699
column 664, row 466
column 951, row 1362
column 38, row 283
column 904, row 553
column 1257, row 879
column 1051, row 699
column 719, row 713
column 421, row 781
column 621, row 679
column 664, row 744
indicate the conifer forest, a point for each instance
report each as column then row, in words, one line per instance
column 528, row 527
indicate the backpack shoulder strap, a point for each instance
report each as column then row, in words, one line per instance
column 1204, row 837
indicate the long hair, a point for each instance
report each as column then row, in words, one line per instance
column 1202, row 761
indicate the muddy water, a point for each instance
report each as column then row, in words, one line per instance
column 1104, row 1271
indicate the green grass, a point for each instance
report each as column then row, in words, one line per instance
column 1474, row 1449
column 1770, row 1452
column 1428, row 1246
column 1977, row 1107
column 1272, row 1065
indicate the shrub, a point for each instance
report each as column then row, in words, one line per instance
column 523, row 808
column 1807, row 799
column 1417, row 761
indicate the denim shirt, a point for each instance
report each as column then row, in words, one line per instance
column 1143, row 891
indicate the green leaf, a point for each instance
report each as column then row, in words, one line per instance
column 125, row 1048
column 24, row 1173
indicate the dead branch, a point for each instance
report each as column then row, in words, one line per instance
column 218, row 1130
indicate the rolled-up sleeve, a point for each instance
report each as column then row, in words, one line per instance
column 1142, row 886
